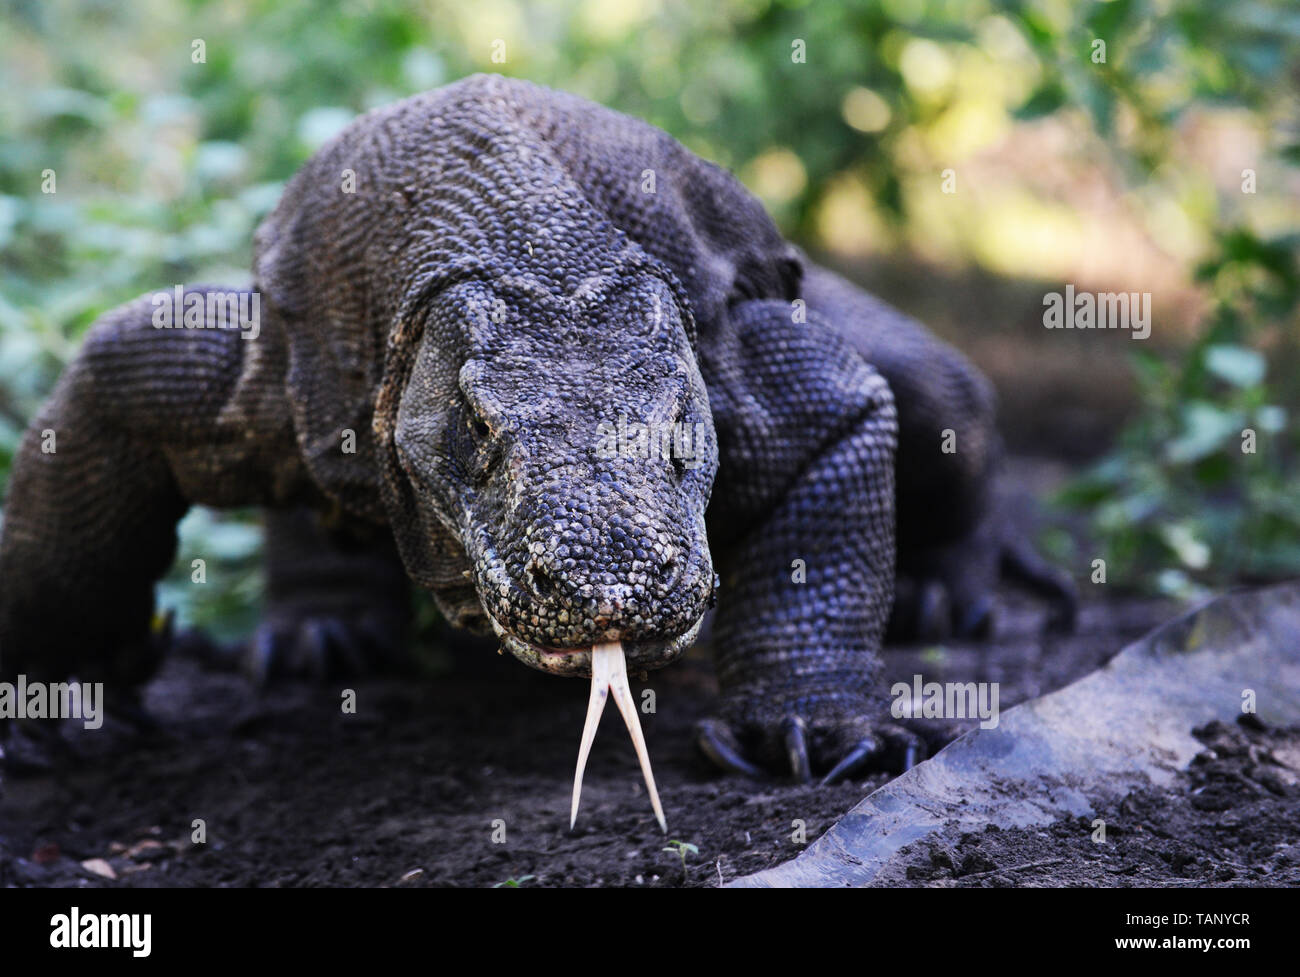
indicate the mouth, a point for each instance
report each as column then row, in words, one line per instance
column 576, row 662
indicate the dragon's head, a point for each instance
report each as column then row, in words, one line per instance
column 562, row 438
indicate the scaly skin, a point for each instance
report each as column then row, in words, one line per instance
column 461, row 296
column 953, row 540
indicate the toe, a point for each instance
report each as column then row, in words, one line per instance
column 794, row 746
column 319, row 648
column 795, row 737
column 857, row 759
column 974, row 618
column 264, row 657
column 932, row 612
column 716, row 740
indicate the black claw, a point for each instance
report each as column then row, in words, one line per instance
column 317, row 648
column 932, row 614
column 1021, row 563
column 975, row 620
column 314, row 642
column 715, row 741
column 796, row 748
column 348, row 646
column 262, row 653
column 859, row 755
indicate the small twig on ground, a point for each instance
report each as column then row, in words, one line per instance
column 1016, row 868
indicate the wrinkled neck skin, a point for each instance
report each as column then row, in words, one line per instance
column 554, row 453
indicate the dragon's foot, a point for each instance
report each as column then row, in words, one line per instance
column 929, row 609
column 119, row 721
column 948, row 591
column 835, row 737
column 320, row 646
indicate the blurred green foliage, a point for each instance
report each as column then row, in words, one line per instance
column 164, row 166
column 1203, row 488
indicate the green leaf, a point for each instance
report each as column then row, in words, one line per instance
column 1206, row 429
column 1238, row 365
column 1106, row 18
column 1271, row 418
column 1046, row 100
column 1186, row 545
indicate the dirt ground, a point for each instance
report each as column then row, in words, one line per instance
column 465, row 780
column 1232, row 820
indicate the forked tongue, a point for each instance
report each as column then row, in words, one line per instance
column 609, row 674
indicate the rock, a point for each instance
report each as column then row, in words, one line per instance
column 1124, row 727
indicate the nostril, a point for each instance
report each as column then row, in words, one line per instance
column 669, row 571
column 540, row 579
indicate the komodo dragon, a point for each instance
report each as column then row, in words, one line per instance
column 459, row 299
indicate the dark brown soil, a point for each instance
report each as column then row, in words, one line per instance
column 463, row 779
column 1233, row 820
column 407, row 791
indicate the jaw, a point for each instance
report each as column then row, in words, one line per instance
column 576, row 662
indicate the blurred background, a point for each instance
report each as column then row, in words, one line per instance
column 1167, row 160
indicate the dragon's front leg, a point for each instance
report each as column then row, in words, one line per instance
column 802, row 527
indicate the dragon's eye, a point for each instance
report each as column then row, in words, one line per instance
column 481, row 451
